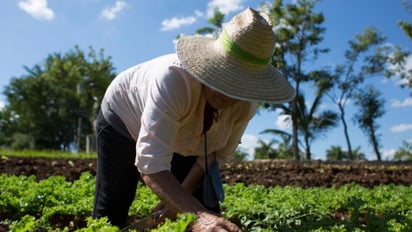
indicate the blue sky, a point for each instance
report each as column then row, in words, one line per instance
column 132, row 31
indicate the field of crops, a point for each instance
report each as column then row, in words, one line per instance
column 63, row 203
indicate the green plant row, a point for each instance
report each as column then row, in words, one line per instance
column 28, row 205
column 348, row 208
column 46, row 153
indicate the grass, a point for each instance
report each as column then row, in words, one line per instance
column 46, row 153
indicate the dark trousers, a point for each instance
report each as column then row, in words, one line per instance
column 117, row 177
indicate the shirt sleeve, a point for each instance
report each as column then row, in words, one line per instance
column 168, row 99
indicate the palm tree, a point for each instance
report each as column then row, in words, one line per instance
column 284, row 150
column 405, row 152
column 311, row 123
column 265, row 150
column 336, row 153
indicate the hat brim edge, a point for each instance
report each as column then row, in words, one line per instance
column 201, row 58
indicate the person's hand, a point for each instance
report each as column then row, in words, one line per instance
column 162, row 213
column 207, row 222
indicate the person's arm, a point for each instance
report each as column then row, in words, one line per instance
column 191, row 183
column 175, row 197
column 194, row 179
column 172, row 193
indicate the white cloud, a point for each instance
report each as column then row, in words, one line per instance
column 405, row 103
column 283, row 122
column 225, row 6
column 176, row 23
column 388, row 154
column 199, row 14
column 37, row 9
column 248, row 144
column 111, row 13
column 1, row 105
column 409, row 62
column 282, row 24
column 401, row 128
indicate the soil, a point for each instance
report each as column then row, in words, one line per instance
column 269, row 173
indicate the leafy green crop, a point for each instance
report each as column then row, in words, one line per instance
column 28, row 205
column 348, row 208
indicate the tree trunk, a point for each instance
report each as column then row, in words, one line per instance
column 295, row 146
column 345, row 131
column 79, row 133
column 307, row 149
column 375, row 143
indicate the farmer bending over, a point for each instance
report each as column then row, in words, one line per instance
column 170, row 120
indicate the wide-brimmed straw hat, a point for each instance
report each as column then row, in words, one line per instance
column 238, row 62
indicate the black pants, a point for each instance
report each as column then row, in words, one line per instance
column 117, row 177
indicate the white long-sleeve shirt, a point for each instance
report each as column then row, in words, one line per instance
column 162, row 108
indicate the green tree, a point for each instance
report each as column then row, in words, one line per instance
column 366, row 57
column 240, row 154
column 398, row 59
column 56, row 103
column 312, row 123
column 284, row 148
column 405, row 26
column 265, row 150
column 298, row 31
column 371, row 107
column 8, row 124
column 22, row 141
column 336, row 153
column 405, row 152
column 398, row 66
column 216, row 22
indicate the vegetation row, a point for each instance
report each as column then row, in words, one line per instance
column 55, row 204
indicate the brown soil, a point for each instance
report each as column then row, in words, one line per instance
column 268, row 173
column 308, row 174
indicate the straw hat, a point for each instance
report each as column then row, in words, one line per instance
column 238, row 62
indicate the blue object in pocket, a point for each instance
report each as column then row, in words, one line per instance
column 213, row 192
